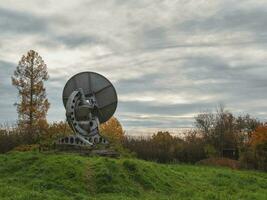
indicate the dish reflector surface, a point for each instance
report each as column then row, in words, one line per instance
column 94, row 84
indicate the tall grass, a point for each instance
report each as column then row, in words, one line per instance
column 39, row 176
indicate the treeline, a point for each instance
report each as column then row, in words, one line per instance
column 12, row 136
column 16, row 136
column 165, row 148
column 216, row 135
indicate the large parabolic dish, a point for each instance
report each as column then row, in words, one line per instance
column 94, row 84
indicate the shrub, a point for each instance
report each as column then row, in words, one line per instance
column 255, row 153
column 165, row 148
column 26, row 147
column 222, row 162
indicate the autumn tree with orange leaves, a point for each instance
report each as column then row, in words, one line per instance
column 255, row 155
column 33, row 104
column 259, row 136
column 112, row 130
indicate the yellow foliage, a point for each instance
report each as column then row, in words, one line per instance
column 28, row 147
column 112, row 130
column 56, row 130
column 259, row 136
column 33, row 104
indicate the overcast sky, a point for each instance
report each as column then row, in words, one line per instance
column 168, row 60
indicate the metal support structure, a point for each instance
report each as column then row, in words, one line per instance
column 89, row 99
column 81, row 117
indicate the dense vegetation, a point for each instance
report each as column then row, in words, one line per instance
column 37, row 176
column 216, row 135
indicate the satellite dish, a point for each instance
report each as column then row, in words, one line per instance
column 94, row 84
column 89, row 99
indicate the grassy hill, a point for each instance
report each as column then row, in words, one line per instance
column 31, row 176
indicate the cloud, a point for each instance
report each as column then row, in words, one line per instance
column 231, row 19
column 168, row 60
column 7, row 91
column 20, row 22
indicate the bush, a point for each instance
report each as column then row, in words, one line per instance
column 10, row 137
column 165, row 148
column 13, row 136
column 254, row 157
column 27, row 147
column 210, row 151
column 255, row 154
column 222, row 162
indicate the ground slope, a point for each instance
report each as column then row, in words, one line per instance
column 30, row 176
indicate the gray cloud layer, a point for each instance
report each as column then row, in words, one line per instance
column 168, row 60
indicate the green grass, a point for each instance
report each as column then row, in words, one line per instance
column 36, row 176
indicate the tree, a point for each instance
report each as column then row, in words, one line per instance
column 224, row 131
column 193, row 148
column 163, row 146
column 247, row 124
column 33, row 104
column 112, row 130
column 255, row 154
column 259, row 136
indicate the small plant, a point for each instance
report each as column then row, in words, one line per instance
column 27, row 147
